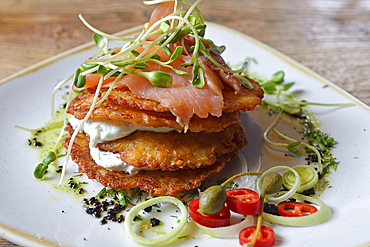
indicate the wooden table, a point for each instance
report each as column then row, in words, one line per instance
column 331, row 37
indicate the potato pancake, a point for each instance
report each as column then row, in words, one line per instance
column 156, row 182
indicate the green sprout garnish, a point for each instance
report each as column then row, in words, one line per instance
column 286, row 100
column 118, row 62
column 101, row 41
column 79, row 81
column 41, row 168
column 184, row 22
column 319, row 143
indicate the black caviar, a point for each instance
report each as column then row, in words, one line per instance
column 148, row 209
column 154, row 222
column 110, row 209
column 34, row 142
column 308, row 192
column 270, row 208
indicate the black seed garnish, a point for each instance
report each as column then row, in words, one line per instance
column 90, row 210
column 121, row 218
column 96, row 213
column 308, row 192
column 148, row 209
column 270, row 208
column 154, row 222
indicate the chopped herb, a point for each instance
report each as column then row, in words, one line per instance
column 176, row 217
column 137, row 217
column 323, row 143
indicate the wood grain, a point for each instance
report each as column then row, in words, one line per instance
column 331, row 37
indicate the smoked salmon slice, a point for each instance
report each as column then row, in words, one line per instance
column 182, row 98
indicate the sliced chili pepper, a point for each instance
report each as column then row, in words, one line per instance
column 217, row 220
column 295, row 209
column 266, row 236
column 243, row 201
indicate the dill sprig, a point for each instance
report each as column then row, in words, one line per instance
column 124, row 197
column 323, row 143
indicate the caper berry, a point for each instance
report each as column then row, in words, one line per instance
column 212, row 200
column 271, row 182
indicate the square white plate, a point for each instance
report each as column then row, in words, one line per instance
column 35, row 213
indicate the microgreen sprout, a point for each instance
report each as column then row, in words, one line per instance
column 286, row 100
column 44, row 128
column 214, row 48
column 79, row 81
column 156, row 78
column 169, row 32
column 183, row 23
column 101, row 41
column 319, row 143
column 57, row 87
column 237, row 73
column 41, row 168
column 291, row 146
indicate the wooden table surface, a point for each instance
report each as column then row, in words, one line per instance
column 331, row 37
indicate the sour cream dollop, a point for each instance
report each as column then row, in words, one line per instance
column 108, row 130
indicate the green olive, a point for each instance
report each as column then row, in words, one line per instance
column 212, row 200
column 271, row 182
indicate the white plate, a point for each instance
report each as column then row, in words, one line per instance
column 31, row 211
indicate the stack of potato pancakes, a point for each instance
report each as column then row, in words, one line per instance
column 162, row 140
column 174, row 161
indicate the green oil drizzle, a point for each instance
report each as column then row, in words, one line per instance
column 48, row 135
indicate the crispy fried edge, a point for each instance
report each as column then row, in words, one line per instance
column 109, row 110
column 175, row 151
column 246, row 100
column 155, row 182
column 123, row 106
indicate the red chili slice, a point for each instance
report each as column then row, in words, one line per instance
column 266, row 236
column 295, row 209
column 217, row 220
column 243, row 201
